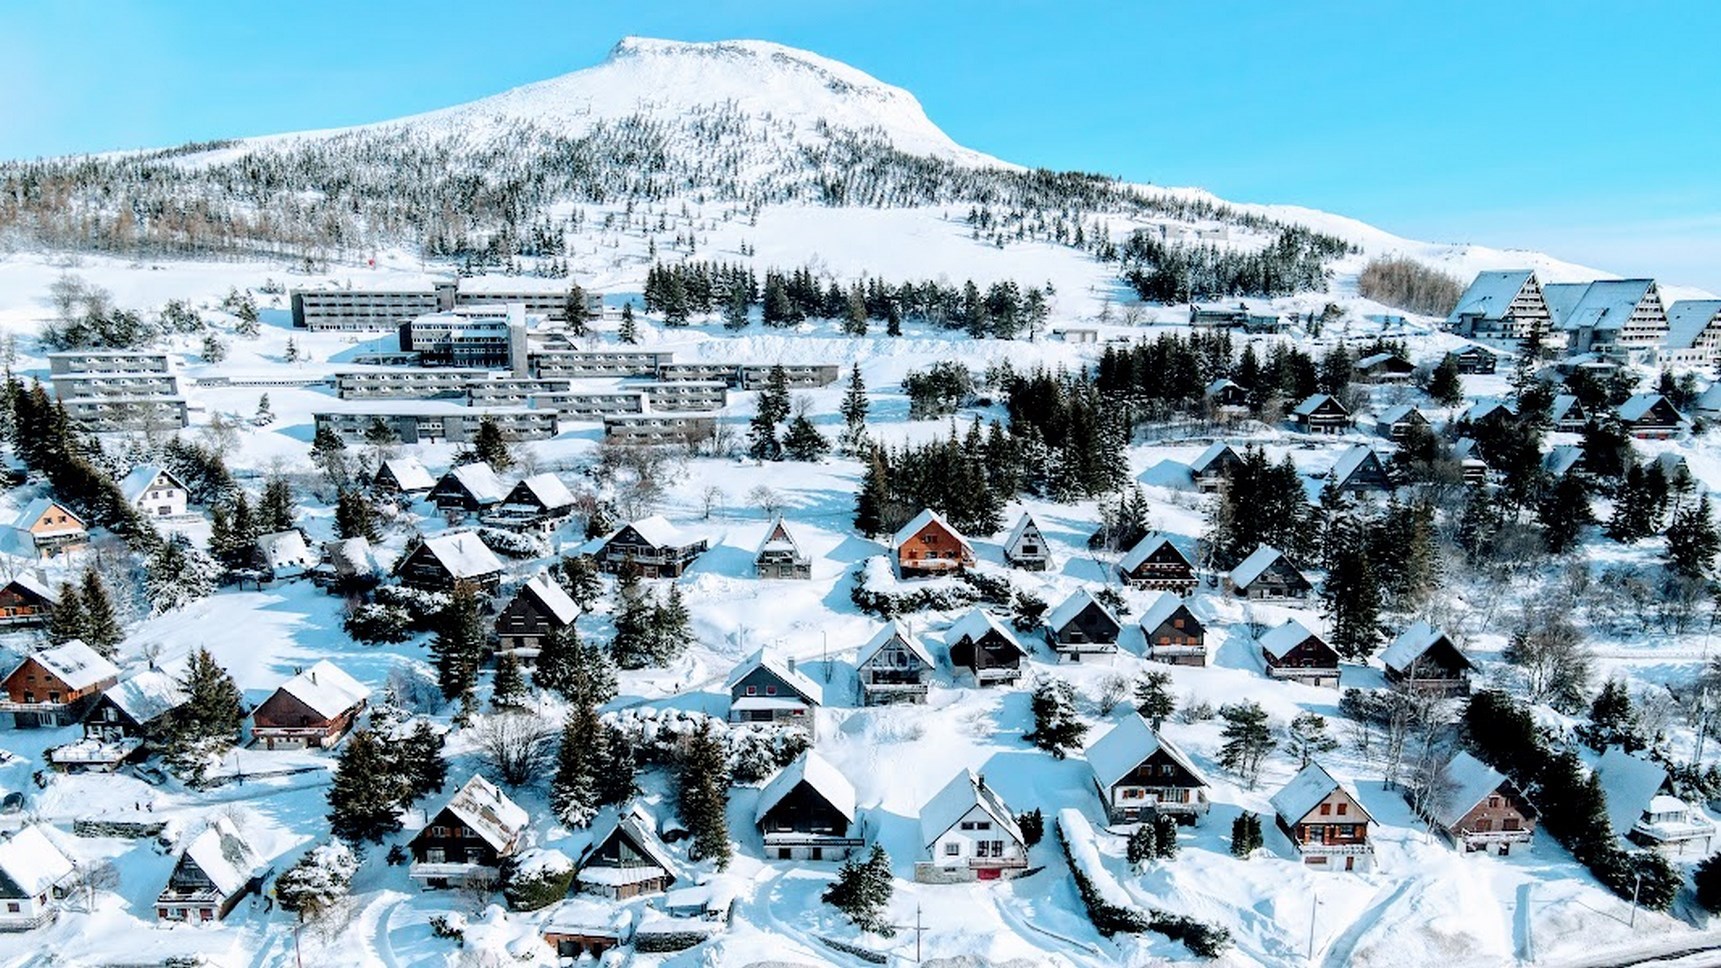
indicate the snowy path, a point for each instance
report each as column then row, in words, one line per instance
column 1338, row 951
column 384, row 946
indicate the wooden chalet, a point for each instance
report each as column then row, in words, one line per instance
column 1025, row 545
column 284, row 554
column 1082, row 626
column 313, row 709
column 1140, row 774
column 1480, row 809
column 56, row 686
column 1173, row 633
column 1156, row 563
column 1268, row 576
column 1475, row 360
column 1383, row 368
column 403, row 476
column 652, row 547
column 969, row 834
column 1427, row 660
column 1210, row 468
column 471, row 488
column 1567, row 414
column 767, row 689
column 581, row 930
column 807, row 812
column 1321, row 414
column 538, row 503
column 348, row 560
column 121, row 722
column 466, row 841
column 444, row 562
column 539, row 607
column 625, row 858
column 46, row 528
column 1325, row 822
column 1650, row 416
column 34, row 874
column 1473, row 468
column 893, row 667
column 1294, row 653
column 25, row 602
column 981, row 645
column 928, row 546
column 1359, row 469
column 1563, row 459
column 218, row 868
column 780, row 555
column 1227, row 398
column 1397, row 423
column 1644, row 808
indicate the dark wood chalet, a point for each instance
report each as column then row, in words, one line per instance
column 539, row 503
column 217, row 870
column 119, row 725
column 470, row 488
column 1267, row 575
column 313, row 709
column 1025, row 545
column 1227, row 398
column 1475, row 360
column 625, row 858
column 1360, row 469
column 893, row 667
column 466, row 841
column 982, row 646
column 25, row 603
column 538, row 608
column 780, row 555
column 56, row 686
column 768, row 689
column 1210, row 468
column 807, row 812
column 1325, row 822
column 1397, row 423
column 1140, row 774
column 1383, row 368
column 1482, row 809
column 928, row 545
column 1650, row 416
column 1155, row 563
column 1321, row 414
column 1173, row 634
column 404, row 476
column 1293, row 652
column 444, row 562
column 1427, row 660
column 652, row 547
column 1082, row 626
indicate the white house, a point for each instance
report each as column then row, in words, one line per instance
column 31, row 870
column 969, row 834
column 1025, row 546
column 155, row 492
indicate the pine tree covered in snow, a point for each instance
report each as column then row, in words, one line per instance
column 574, row 789
column 364, row 799
column 458, row 644
column 702, row 785
column 803, row 442
column 1248, row 740
column 508, row 687
column 102, row 630
column 578, row 576
column 66, row 620
column 1245, row 834
column 1308, row 737
column 853, row 410
column 355, row 517
column 318, row 881
column 1164, row 836
column 617, row 767
column 1057, row 727
column 1153, row 698
column 417, row 760
column 862, row 891
column 277, row 510
column 204, row 727
column 1143, row 844
column 178, row 574
column 1692, row 542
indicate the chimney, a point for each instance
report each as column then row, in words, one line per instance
column 791, row 663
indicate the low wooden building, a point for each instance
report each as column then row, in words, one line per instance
column 928, row 545
column 1294, row 653
column 120, row 724
column 1025, row 546
column 1156, row 563
column 1359, row 469
column 34, row 873
column 652, row 547
column 1140, row 774
column 767, row 689
column 472, row 488
column 1650, row 416
column 1321, row 414
column 625, row 858
column 1475, row 359
column 1383, row 368
column 539, row 607
column 1267, row 575
column 466, row 841
column 1644, row 807
column 47, row 528
column 1081, row 626
column 217, row 869
column 780, row 555
column 807, row 812
column 581, row 930
column 980, row 645
column 1227, row 398
column 1325, row 822
column 56, row 686
column 444, row 562
column 1427, row 660
column 314, row 708
column 1567, row 414
column 893, row 667
column 1210, row 468
column 25, row 602
column 1397, row 423
column 1173, row 633
column 1480, row 809
column 969, row 834
column 405, row 477
column 539, row 503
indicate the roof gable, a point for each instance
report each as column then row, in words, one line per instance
column 1491, row 293
column 326, row 689
column 76, row 665
column 1070, row 608
column 891, row 631
column 1416, row 641
column 1468, row 782
column 460, row 553
column 32, row 862
column 1164, row 608
column 966, row 791
column 927, row 518
column 541, row 490
column 1131, row 742
column 768, row 661
column 1148, row 547
column 496, row 819
column 1279, row 642
column 407, row 473
column 779, row 538
column 1298, row 798
column 224, row 856
column 1258, row 563
column 817, row 773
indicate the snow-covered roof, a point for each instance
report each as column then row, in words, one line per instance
column 1020, row 528
column 1377, row 359
column 974, row 625
column 1483, row 408
column 1252, row 567
column 1350, row 462
column 1283, row 639
column 637, row 827
column 1468, row 780
column 1410, row 645
column 1639, row 406
column 223, row 855
column 1562, row 459
column 1604, row 304
column 1491, row 293
column 463, row 555
column 548, row 490
column 772, row 663
column 134, row 485
column 146, row 695
column 351, row 556
column 1710, row 400
column 658, row 532
column 480, row 481
column 1145, row 548
column 32, row 862
column 1213, row 452
column 35, row 509
column 818, row 773
column 76, row 665
column 1115, row 754
column 778, row 537
column 30, row 583
column 1072, row 606
column 959, row 797
column 1688, row 318
column 1563, row 403
column 327, row 689
column 893, row 629
column 1307, row 789
column 284, row 548
column 509, row 285
column 920, row 521
column 552, row 596
column 1163, row 606
column 484, row 808
column 1315, row 402
column 1630, row 783
column 409, row 474
column 585, row 915
column 1392, row 415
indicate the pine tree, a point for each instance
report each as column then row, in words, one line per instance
column 634, row 620
column 578, row 576
column 1142, row 845
column 102, row 630
column 1352, row 598
column 364, row 799
column 854, row 314
column 419, row 764
column 1165, row 836
column 1707, row 880
column 277, row 510
column 354, row 516
column 264, row 416
column 1248, row 740
column 1564, row 511
column 762, row 442
column 873, row 497
column 803, row 442
column 1153, row 699
column 616, row 768
column 1245, row 834
column 703, row 796
column 671, row 627
column 508, row 688
column 1444, row 384
column 206, row 725
column 458, row 644
column 1692, row 541
column 1057, row 728
column 178, row 574
column 862, row 891
column 66, row 620
column 573, row 790
column 491, row 447
column 629, row 332
column 854, row 409
column 1309, row 737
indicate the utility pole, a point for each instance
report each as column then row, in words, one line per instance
column 1313, row 908
column 1636, row 885
column 918, row 929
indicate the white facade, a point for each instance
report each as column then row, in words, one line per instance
column 162, row 499
column 976, row 840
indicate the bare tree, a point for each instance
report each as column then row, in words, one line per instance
column 515, row 745
column 1550, row 657
column 1113, row 689
column 712, row 497
column 766, row 500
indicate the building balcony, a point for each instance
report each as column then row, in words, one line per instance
column 1336, row 850
column 999, row 863
column 1183, row 650
column 1673, row 831
column 183, row 896
column 997, row 674
column 1297, row 673
column 8, row 706
column 428, row 871
column 29, row 922
column 1497, row 836
column 798, row 838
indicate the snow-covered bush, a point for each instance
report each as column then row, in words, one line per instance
column 1111, row 910
column 537, row 878
column 374, row 623
column 512, row 543
column 423, row 606
column 754, row 750
column 319, row 880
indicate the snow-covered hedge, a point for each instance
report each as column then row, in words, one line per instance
column 374, row 622
column 537, row 878
column 754, row 750
column 1112, row 910
column 512, row 543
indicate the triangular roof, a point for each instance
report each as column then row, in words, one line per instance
column 818, row 773
column 1564, row 402
column 76, row 664
column 779, row 538
column 1403, row 411
column 1278, row 641
column 1213, row 452
column 1562, row 459
column 1630, row 783
column 32, row 862
column 1413, row 643
column 1220, row 386
column 1315, row 401
column 351, row 555
column 770, row 662
column 408, row 474
column 1491, row 293
column 1131, row 741
column 484, row 808
column 1254, row 566
column 480, row 481
column 893, row 629
column 1376, row 359
column 1604, row 304
column 224, row 856
column 327, row 689
column 1309, row 787
column 548, row 490
column 1688, row 318
column 1073, row 605
column 1020, row 528
column 632, row 824
column 36, row 508
column 1351, row 461
column 134, row 484
column 1484, row 408
column 961, row 795
column 1145, row 548
column 146, row 695
column 974, row 624
column 1163, row 607
column 462, row 554
column 1468, row 781
column 658, row 532
column 1639, row 406
column 550, row 594
column 919, row 522
column 29, row 583
column 283, row 547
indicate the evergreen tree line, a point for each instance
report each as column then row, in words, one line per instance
column 48, row 442
column 1169, row 272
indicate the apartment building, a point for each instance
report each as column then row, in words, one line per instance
column 729, row 373
column 681, row 396
column 541, row 297
column 800, row 375
column 128, row 413
column 108, row 361
column 512, row 391
column 435, row 422
column 660, row 428
column 586, row 364
column 365, row 309
column 402, row 383
column 69, row 386
column 479, row 337
column 590, row 405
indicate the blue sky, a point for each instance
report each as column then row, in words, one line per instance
column 1584, row 129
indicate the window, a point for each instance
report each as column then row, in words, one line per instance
column 1326, row 808
column 12, row 907
column 1343, row 807
column 770, row 690
column 983, row 848
column 1132, row 793
column 967, row 825
column 1493, row 801
column 983, row 825
column 952, row 849
column 752, row 690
